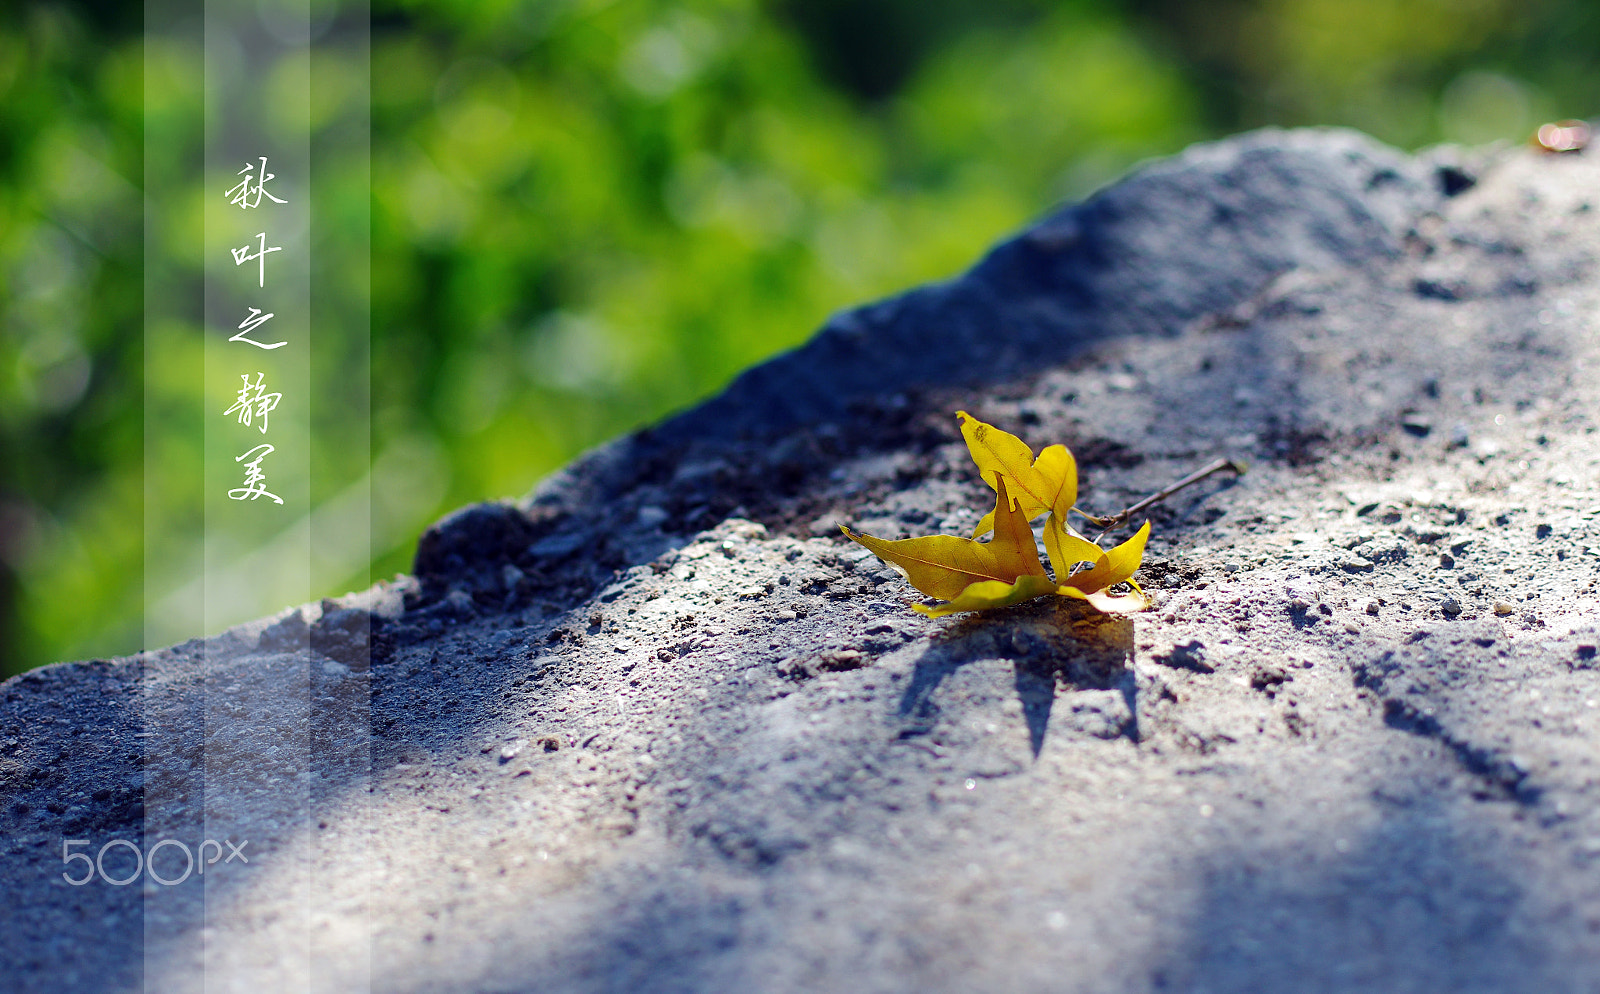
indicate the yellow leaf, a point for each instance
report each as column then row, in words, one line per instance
column 1049, row 483
column 974, row 576
column 989, row 594
column 1111, row 603
column 1067, row 548
column 1114, row 566
column 944, row 566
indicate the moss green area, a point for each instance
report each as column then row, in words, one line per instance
column 588, row 214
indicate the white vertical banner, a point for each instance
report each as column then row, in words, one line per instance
column 341, row 522
column 257, row 345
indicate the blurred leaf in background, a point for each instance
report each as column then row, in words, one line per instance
column 589, row 213
column 71, row 243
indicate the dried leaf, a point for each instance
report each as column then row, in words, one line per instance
column 1066, row 548
column 1049, row 483
column 974, row 576
column 1113, row 567
column 944, row 566
column 989, row 594
column 1111, row 603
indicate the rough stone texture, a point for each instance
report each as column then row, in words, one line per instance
column 659, row 728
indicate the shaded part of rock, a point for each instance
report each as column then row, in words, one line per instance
column 1449, row 684
column 343, row 634
column 287, row 634
column 1189, row 656
column 474, row 543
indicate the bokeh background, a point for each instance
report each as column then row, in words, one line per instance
column 589, row 213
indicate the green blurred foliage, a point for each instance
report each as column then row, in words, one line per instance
column 589, row 213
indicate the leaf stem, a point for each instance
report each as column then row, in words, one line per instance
column 1234, row 466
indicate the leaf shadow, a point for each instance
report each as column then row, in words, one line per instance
column 1050, row 646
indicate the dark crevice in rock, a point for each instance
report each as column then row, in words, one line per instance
column 1408, row 679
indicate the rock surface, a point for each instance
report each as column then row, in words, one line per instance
column 659, row 728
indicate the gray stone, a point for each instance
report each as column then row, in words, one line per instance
column 659, row 727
